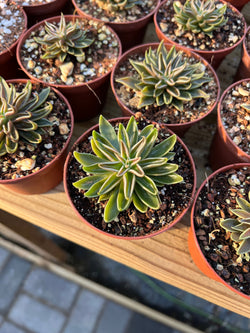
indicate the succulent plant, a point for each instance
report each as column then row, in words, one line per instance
column 239, row 227
column 22, row 116
column 60, row 40
column 166, row 78
column 127, row 167
column 199, row 16
column 117, row 5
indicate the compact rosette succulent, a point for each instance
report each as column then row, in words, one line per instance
column 58, row 41
column 117, row 5
column 22, row 116
column 127, row 167
column 199, row 16
column 166, row 78
column 239, row 227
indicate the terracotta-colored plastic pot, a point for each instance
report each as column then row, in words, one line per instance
column 9, row 68
column 179, row 129
column 85, row 136
column 193, row 244
column 223, row 150
column 130, row 33
column 44, row 10
column 243, row 71
column 214, row 57
column 50, row 175
column 239, row 4
column 86, row 99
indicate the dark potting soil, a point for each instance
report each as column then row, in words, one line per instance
column 12, row 24
column 247, row 41
column 223, row 37
column 100, row 57
column 235, row 118
column 91, row 7
column 213, row 204
column 165, row 114
column 131, row 222
column 34, row 157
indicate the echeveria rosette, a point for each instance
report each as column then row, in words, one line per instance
column 63, row 39
column 199, row 16
column 239, row 227
column 22, row 116
column 166, row 78
column 127, row 167
column 117, row 5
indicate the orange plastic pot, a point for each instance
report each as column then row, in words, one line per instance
column 86, row 99
column 50, row 175
column 223, row 150
column 9, row 68
column 243, row 71
column 130, row 33
column 193, row 244
column 179, row 129
column 214, row 57
column 83, row 137
column 239, row 4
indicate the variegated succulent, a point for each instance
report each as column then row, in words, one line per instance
column 117, row 5
column 22, row 116
column 199, row 16
column 166, row 77
column 239, row 227
column 127, row 167
column 63, row 39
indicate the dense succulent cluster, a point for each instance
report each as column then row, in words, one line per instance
column 127, row 167
column 117, row 5
column 239, row 227
column 22, row 116
column 199, row 16
column 63, row 39
column 166, row 78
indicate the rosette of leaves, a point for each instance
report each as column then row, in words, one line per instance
column 166, row 78
column 127, row 167
column 239, row 227
column 63, row 39
column 199, row 16
column 117, row 5
column 22, row 116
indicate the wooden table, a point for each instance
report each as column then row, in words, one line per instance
column 165, row 256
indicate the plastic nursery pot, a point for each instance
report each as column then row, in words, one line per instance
column 87, row 98
column 51, row 174
column 68, row 187
column 243, row 71
column 9, row 68
column 179, row 128
column 40, row 11
column 223, row 150
column 239, row 4
column 130, row 33
column 214, row 57
column 193, row 243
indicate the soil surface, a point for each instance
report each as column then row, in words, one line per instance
column 12, row 24
column 247, row 41
column 223, row 37
column 100, row 57
column 132, row 223
column 90, row 7
column 236, row 119
column 165, row 114
column 54, row 139
column 213, row 204
column 32, row 2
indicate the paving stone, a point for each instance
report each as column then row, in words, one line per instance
column 114, row 319
column 85, row 313
column 51, row 288
column 139, row 323
column 3, row 256
column 1, row 319
column 11, row 278
column 36, row 316
column 10, row 328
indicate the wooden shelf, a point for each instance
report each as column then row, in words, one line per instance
column 165, row 256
